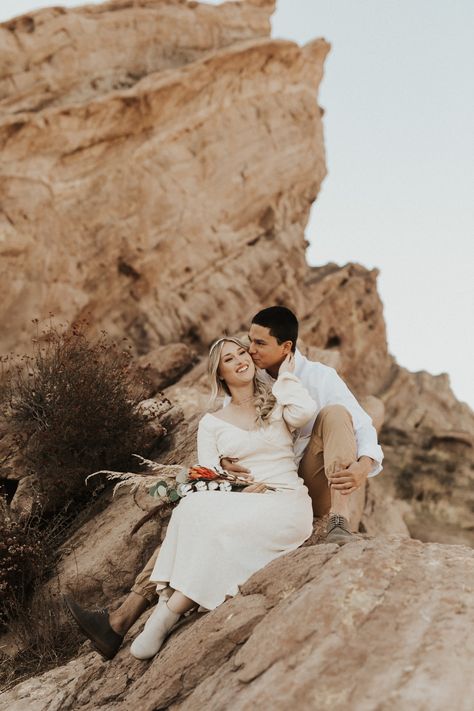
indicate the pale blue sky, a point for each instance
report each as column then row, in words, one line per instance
column 398, row 95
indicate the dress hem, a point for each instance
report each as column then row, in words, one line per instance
column 163, row 584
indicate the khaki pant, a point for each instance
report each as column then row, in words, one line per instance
column 143, row 585
column 332, row 446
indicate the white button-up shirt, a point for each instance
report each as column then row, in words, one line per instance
column 327, row 388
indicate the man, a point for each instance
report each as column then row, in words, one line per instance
column 337, row 450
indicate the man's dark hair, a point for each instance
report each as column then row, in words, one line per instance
column 281, row 322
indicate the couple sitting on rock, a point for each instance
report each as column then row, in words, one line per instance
column 288, row 423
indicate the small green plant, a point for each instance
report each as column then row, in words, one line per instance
column 73, row 404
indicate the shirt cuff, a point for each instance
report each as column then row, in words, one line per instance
column 377, row 466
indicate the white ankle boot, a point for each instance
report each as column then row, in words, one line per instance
column 156, row 630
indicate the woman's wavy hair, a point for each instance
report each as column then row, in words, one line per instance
column 264, row 398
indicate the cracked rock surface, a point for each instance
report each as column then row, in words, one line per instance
column 379, row 624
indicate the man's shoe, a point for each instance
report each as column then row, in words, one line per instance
column 338, row 530
column 96, row 627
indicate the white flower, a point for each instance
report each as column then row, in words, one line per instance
column 184, row 489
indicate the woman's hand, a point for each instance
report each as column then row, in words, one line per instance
column 255, row 489
column 288, row 365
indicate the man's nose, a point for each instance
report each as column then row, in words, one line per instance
column 252, row 349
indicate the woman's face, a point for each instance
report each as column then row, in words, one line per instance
column 235, row 365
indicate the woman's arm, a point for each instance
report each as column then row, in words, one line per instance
column 297, row 404
column 208, row 454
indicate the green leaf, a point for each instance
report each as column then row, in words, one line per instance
column 153, row 490
column 162, row 490
column 173, row 495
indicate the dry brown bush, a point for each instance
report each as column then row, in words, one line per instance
column 43, row 638
column 73, row 405
column 72, row 408
column 21, row 559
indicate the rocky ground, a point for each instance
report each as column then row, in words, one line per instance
column 381, row 623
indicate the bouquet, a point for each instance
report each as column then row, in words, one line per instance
column 197, row 478
column 170, row 483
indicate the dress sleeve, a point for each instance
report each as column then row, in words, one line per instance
column 297, row 404
column 208, row 454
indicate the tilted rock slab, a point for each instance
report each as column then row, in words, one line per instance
column 428, row 440
column 378, row 624
column 56, row 56
column 343, row 313
column 170, row 209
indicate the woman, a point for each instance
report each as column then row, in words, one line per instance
column 216, row 540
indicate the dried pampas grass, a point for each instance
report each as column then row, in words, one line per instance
column 168, row 473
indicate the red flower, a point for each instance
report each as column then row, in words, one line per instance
column 198, row 472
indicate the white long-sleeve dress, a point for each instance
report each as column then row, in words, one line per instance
column 216, row 540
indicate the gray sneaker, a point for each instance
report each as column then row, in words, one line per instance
column 338, row 531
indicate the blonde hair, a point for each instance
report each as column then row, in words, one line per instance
column 264, row 399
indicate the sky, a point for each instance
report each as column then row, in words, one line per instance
column 399, row 110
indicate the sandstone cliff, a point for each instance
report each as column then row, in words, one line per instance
column 158, row 162
column 170, row 208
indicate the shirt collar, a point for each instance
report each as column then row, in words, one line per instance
column 299, row 362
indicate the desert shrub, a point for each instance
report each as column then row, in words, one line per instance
column 21, row 559
column 32, row 614
column 73, row 404
column 71, row 407
column 41, row 636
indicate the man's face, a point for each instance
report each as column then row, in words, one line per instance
column 264, row 348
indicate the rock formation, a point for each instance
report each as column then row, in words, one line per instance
column 158, row 162
column 169, row 209
column 57, row 57
column 382, row 624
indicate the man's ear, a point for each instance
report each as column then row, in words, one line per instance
column 287, row 345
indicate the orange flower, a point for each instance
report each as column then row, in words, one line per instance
column 198, row 472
